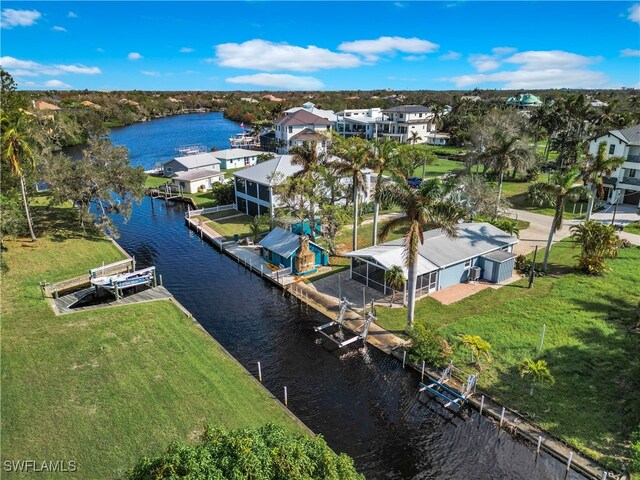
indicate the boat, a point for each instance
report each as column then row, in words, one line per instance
column 126, row 280
column 245, row 140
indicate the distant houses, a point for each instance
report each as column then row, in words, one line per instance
column 236, row 157
column 300, row 126
column 524, row 101
column 406, row 122
column 624, row 185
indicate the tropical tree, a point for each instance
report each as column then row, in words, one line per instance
column 18, row 155
column 384, row 152
column 504, row 153
column 563, row 187
column 478, row 347
column 598, row 243
column 414, row 137
column 596, row 167
column 394, row 278
column 537, row 370
column 305, row 181
column 354, row 155
column 423, row 209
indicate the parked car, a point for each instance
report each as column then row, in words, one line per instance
column 414, row 182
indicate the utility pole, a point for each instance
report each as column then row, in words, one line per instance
column 532, row 273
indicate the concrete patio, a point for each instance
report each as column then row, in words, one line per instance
column 458, row 292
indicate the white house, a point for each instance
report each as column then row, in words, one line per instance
column 191, row 162
column 362, row 122
column 311, row 108
column 624, row 185
column 403, row 120
column 236, row 157
column 437, row 138
column 295, row 128
column 193, row 173
column 195, row 181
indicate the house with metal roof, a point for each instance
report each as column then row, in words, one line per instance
column 285, row 249
column 191, row 162
column 623, row 186
column 524, row 101
column 193, row 173
column 295, row 128
column 479, row 251
column 236, row 157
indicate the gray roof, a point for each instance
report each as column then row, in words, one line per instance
column 197, row 161
column 473, row 240
column 632, row 134
column 266, row 172
column 408, row 109
column 281, row 241
column 499, row 256
column 198, row 174
column 233, row 153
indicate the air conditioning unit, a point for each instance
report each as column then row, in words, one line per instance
column 474, row 274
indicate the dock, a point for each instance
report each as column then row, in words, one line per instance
column 62, row 305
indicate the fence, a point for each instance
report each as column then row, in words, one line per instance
column 203, row 211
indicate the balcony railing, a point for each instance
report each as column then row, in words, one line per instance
column 610, row 181
column 633, row 158
column 631, row 181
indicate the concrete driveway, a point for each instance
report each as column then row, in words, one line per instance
column 538, row 232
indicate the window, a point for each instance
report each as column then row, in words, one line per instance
column 467, row 264
column 612, row 149
column 247, row 160
column 290, row 129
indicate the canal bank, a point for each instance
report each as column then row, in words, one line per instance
column 329, row 306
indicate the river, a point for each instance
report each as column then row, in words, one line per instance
column 360, row 400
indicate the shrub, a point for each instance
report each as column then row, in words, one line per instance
column 265, row 453
column 598, row 243
column 539, row 195
column 429, row 346
column 522, row 264
column 634, row 464
column 507, row 225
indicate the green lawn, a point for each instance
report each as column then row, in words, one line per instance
column 594, row 404
column 516, row 194
column 154, row 181
column 105, row 387
column 228, row 173
column 439, row 167
column 365, row 235
column 233, row 226
column 203, row 199
column 633, row 228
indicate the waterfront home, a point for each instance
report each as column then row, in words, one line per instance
column 437, row 138
column 624, row 185
column 286, row 249
column 311, row 108
column 362, row 122
column 236, row 157
column 194, row 181
column 296, row 128
column 524, row 101
column 400, row 122
column 202, row 160
column 479, row 248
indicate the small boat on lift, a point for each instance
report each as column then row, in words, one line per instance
column 123, row 281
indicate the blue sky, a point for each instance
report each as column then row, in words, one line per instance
column 253, row 45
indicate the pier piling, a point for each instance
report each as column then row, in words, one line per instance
column 481, row 404
column 539, row 444
column 259, row 372
column 286, row 399
column 569, row 461
column 404, row 358
column 502, row 417
column 422, row 374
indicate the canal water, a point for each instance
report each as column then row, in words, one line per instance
column 360, row 400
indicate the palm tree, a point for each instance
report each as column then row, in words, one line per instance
column 394, row 278
column 414, row 137
column 423, row 209
column 478, row 346
column 563, row 187
column 596, row 167
column 306, row 156
column 15, row 151
column 354, row 155
column 537, row 370
column 598, row 242
column 506, row 152
column 383, row 154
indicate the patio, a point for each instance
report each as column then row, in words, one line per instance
column 458, row 292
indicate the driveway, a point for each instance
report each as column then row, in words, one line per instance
column 625, row 214
column 538, row 232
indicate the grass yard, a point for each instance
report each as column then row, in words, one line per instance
column 233, row 226
column 439, row 167
column 516, row 194
column 633, row 228
column 365, row 235
column 593, row 355
column 106, row 387
column 154, row 181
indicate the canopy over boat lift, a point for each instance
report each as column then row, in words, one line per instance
column 447, row 393
column 339, row 322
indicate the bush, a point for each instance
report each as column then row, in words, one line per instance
column 429, row 346
column 539, row 195
column 223, row 193
column 265, row 453
column 522, row 264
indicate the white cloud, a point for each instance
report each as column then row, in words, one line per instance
column 56, row 84
column 500, row 51
column 134, row 56
column 29, row 68
column 186, row 50
column 270, row 56
column 414, row 58
column 278, row 80
column 72, row 15
column 634, row 13
column 150, row 73
column 59, row 29
column 10, row 18
column 450, row 55
column 629, row 52
column 535, row 69
column 388, row 45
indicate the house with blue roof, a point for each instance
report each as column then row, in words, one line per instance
column 281, row 247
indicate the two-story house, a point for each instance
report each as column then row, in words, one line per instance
column 362, row 122
column 296, row 128
column 624, row 185
column 402, row 121
column 236, row 157
column 193, row 173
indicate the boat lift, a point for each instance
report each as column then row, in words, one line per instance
column 446, row 393
column 339, row 322
column 116, row 284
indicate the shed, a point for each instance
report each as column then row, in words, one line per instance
column 498, row 266
column 281, row 247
